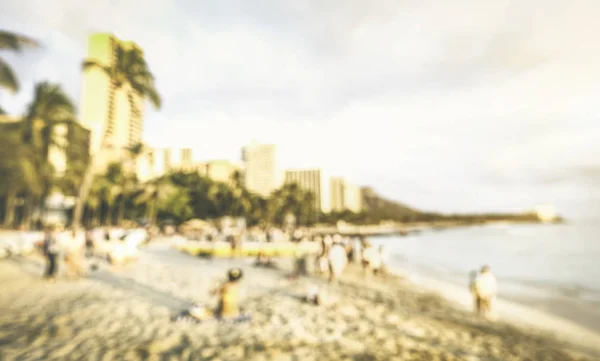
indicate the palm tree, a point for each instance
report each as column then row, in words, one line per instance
column 154, row 194
column 18, row 169
column 132, row 74
column 291, row 199
column 50, row 108
column 16, row 43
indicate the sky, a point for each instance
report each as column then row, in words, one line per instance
column 453, row 106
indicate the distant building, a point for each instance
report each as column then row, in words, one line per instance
column 345, row 196
column 546, row 213
column 118, row 113
column 352, row 198
column 218, row 170
column 337, row 194
column 157, row 162
column 260, row 168
column 312, row 180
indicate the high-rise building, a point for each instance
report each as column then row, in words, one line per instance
column 108, row 110
column 352, row 197
column 345, row 196
column 314, row 181
column 337, row 194
column 260, row 168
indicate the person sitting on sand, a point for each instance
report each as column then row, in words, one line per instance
column 485, row 292
column 228, row 304
column 229, row 295
column 315, row 296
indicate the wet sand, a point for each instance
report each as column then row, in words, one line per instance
column 124, row 314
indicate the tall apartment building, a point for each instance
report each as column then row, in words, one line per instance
column 312, row 180
column 345, row 196
column 260, row 168
column 352, row 197
column 336, row 185
column 106, row 110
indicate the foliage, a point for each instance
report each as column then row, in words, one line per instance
column 16, row 43
column 25, row 148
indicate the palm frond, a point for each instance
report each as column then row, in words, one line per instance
column 16, row 42
column 92, row 64
column 8, row 79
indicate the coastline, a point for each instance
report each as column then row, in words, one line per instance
column 124, row 313
column 512, row 311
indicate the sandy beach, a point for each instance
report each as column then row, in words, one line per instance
column 124, row 314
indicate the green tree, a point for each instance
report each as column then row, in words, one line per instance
column 131, row 73
column 155, row 195
column 18, row 169
column 291, row 199
column 15, row 43
column 50, row 109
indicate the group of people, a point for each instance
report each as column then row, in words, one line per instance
column 335, row 253
column 60, row 245
column 73, row 247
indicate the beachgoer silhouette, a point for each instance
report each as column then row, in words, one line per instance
column 485, row 291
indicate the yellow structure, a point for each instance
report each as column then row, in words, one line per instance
column 106, row 110
column 345, row 196
column 312, row 180
column 260, row 168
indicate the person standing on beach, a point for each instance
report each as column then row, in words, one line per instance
column 337, row 261
column 51, row 250
column 74, row 253
column 485, row 292
column 368, row 257
column 472, row 278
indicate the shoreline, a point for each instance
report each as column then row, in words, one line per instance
column 511, row 310
column 124, row 313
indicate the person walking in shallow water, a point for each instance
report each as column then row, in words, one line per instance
column 485, row 292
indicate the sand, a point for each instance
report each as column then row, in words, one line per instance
column 124, row 314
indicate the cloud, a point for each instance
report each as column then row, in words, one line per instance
column 425, row 100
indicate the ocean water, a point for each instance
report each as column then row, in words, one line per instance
column 552, row 267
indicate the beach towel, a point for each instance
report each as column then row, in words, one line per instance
column 186, row 317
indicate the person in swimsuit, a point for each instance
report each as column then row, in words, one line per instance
column 228, row 304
